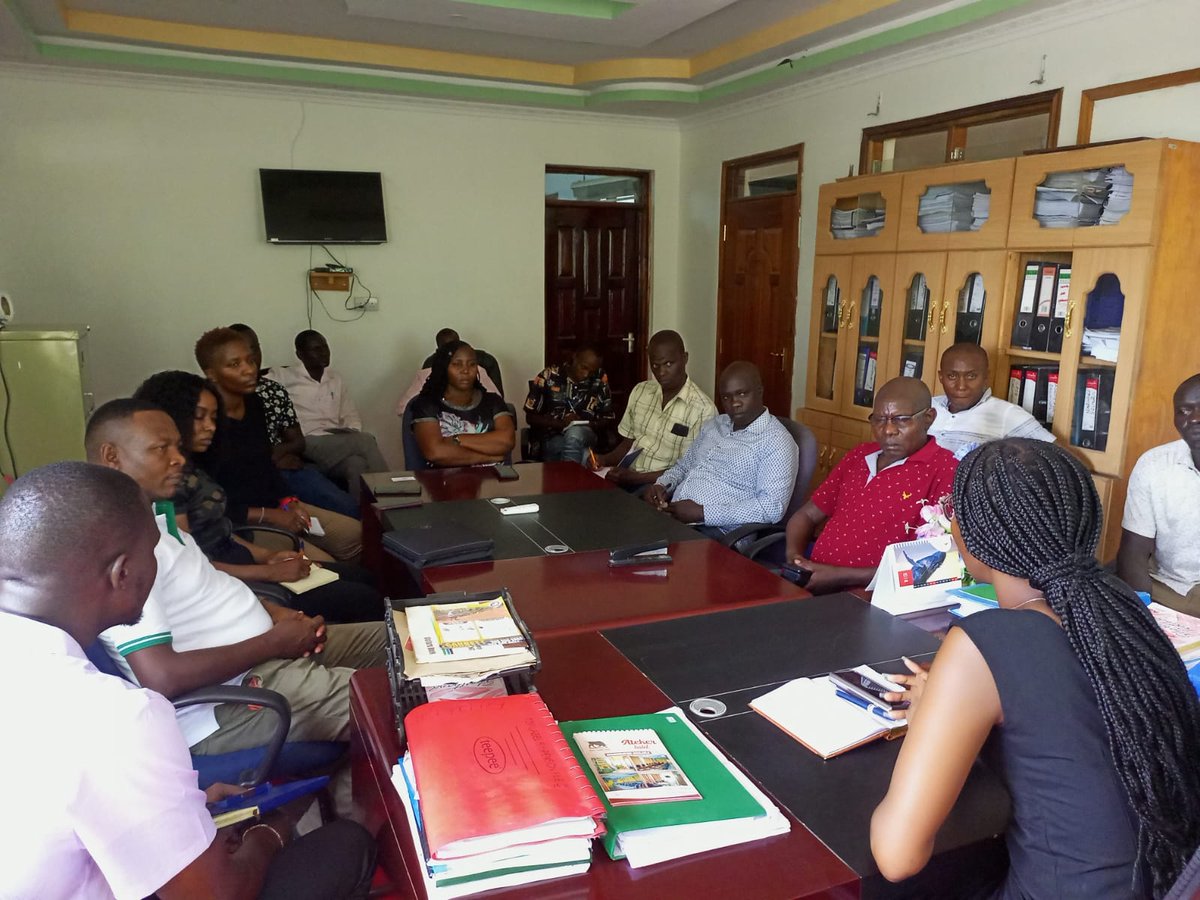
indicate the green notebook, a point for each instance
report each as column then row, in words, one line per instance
column 722, row 797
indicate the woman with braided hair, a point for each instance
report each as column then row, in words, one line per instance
column 1069, row 689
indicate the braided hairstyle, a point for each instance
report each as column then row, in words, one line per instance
column 439, row 373
column 177, row 394
column 1029, row 509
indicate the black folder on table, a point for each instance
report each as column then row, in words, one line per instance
column 1045, row 307
column 1022, row 331
column 383, row 484
column 437, row 544
column 1093, row 408
column 1062, row 297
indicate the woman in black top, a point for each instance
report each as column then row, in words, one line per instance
column 200, row 503
column 456, row 422
column 1070, row 688
column 242, row 462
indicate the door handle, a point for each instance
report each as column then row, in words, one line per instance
column 782, row 355
column 841, row 318
column 1067, row 323
column 629, row 342
column 850, row 314
column 942, row 320
column 932, row 315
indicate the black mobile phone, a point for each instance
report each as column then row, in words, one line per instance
column 506, row 472
column 795, row 574
column 866, row 687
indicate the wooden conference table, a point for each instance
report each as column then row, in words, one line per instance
column 733, row 656
column 577, row 591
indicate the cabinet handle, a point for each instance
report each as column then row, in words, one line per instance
column 932, row 315
column 942, row 321
column 841, row 319
column 1067, row 323
column 850, row 314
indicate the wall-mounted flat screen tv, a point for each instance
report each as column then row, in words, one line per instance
column 320, row 207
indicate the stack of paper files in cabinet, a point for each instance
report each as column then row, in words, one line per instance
column 856, row 223
column 954, row 207
column 1102, row 343
column 1083, row 198
column 493, row 796
column 729, row 809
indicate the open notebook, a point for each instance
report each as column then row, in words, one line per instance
column 810, row 711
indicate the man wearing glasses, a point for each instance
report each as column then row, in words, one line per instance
column 873, row 497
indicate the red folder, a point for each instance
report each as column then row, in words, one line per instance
column 494, row 766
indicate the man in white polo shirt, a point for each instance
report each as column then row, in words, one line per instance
column 1160, row 531
column 201, row 626
column 967, row 413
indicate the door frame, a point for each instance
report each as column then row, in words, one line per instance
column 728, row 168
column 645, row 210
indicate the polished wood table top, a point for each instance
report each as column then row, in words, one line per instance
column 581, row 592
column 481, row 482
column 583, row 676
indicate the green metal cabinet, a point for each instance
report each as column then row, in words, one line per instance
column 45, row 398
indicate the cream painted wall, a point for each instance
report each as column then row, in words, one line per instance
column 1087, row 44
column 133, row 206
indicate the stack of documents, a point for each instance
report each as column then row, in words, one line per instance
column 954, row 207
column 1084, row 198
column 1102, row 343
column 458, row 643
column 729, row 809
column 1181, row 629
column 855, row 223
column 493, row 797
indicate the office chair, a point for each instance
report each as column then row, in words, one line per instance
column 745, row 538
column 279, row 757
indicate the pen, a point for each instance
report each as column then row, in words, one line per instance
column 863, row 704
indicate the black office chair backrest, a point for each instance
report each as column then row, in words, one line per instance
column 807, row 442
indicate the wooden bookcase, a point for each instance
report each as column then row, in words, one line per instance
column 936, row 288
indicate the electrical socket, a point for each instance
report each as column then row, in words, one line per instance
column 371, row 303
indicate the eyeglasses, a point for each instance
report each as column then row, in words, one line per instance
column 878, row 421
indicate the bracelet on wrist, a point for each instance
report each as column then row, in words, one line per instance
column 278, row 836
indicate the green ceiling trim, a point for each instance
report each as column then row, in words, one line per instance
column 444, row 87
column 933, row 25
column 585, row 9
column 634, row 95
column 310, row 76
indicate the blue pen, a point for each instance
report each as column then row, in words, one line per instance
column 863, row 704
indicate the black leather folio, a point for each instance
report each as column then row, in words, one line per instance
column 437, row 544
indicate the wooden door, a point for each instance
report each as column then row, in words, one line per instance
column 757, row 306
column 595, row 263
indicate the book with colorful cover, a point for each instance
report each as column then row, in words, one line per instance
column 633, row 766
column 729, row 810
column 496, row 773
column 473, row 629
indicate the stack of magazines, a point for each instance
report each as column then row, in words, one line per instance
column 493, row 796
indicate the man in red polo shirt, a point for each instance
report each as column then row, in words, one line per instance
column 874, row 493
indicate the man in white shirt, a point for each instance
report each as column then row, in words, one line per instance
column 106, row 793
column 333, row 435
column 967, row 413
column 201, row 626
column 1160, row 531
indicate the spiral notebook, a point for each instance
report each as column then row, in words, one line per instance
column 496, row 773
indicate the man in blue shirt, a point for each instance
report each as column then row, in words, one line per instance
column 741, row 468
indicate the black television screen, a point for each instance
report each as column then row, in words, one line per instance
column 318, row 207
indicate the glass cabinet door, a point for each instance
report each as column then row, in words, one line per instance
column 869, row 319
column 970, row 311
column 1100, row 333
column 914, row 337
column 830, row 306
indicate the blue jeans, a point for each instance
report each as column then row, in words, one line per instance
column 312, row 487
column 571, row 445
